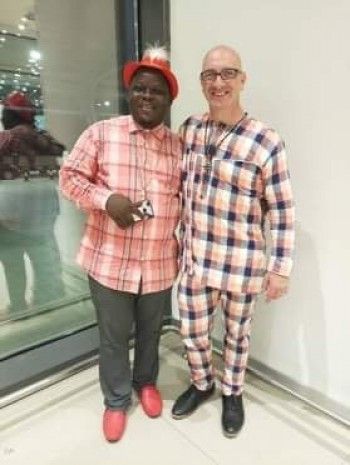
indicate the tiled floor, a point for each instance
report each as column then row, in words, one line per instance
column 61, row 426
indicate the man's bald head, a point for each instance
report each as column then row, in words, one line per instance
column 220, row 51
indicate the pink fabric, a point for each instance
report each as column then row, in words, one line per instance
column 118, row 156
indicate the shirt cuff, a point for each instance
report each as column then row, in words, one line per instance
column 282, row 267
column 100, row 198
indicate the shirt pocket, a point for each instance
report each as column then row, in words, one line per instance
column 239, row 175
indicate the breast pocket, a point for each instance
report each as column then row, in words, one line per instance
column 239, row 174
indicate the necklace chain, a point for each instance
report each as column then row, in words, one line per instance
column 209, row 151
column 140, row 171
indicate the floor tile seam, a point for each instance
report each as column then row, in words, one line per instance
column 300, row 422
column 304, row 416
column 52, row 403
column 172, row 424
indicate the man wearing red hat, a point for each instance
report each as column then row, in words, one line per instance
column 20, row 135
column 27, row 216
column 125, row 173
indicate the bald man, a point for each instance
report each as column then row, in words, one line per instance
column 234, row 174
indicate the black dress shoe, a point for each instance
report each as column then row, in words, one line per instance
column 232, row 418
column 189, row 401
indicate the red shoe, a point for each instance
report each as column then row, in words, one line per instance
column 151, row 400
column 114, row 422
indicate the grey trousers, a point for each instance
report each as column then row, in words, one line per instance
column 117, row 313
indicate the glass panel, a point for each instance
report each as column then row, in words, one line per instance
column 62, row 56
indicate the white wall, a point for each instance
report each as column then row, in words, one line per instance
column 296, row 54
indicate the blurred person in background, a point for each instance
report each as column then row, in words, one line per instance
column 28, row 211
column 20, row 136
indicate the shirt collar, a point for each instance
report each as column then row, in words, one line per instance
column 157, row 132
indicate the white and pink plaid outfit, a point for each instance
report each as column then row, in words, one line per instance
column 224, row 257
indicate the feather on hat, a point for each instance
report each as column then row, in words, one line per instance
column 153, row 58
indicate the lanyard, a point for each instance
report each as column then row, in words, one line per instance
column 148, row 163
column 211, row 147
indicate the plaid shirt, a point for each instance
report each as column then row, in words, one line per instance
column 118, row 156
column 6, row 140
column 223, row 206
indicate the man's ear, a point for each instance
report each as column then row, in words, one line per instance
column 243, row 78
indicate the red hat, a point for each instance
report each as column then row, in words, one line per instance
column 19, row 102
column 153, row 58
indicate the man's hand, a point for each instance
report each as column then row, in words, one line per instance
column 275, row 286
column 121, row 210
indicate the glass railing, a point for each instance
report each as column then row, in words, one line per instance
column 68, row 77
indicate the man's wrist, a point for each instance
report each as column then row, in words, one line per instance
column 281, row 267
column 101, row 197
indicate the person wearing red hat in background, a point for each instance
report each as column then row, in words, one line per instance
column 125, row 172
column 27, row 215
column 20, row 135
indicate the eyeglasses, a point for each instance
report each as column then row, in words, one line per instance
column 226, row 74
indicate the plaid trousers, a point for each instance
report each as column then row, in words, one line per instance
column 197, row 305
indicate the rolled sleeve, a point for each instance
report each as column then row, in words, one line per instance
column 78, row 173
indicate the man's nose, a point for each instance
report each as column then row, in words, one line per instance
column 218, row 76
column 147, row 92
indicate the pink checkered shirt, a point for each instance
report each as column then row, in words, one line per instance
column 118, row 156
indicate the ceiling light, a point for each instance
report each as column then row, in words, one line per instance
column 35, row 55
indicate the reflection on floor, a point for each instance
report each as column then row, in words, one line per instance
column 74, row 285
column 36, row 324
column 39, row 237
column 47, row 326
column 61, row 425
